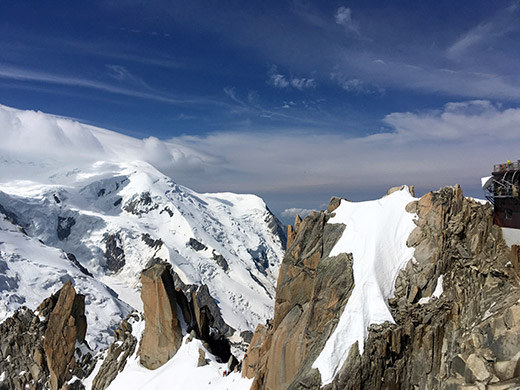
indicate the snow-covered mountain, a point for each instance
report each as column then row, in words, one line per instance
column 82, row 203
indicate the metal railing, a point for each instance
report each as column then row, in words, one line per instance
column 513, row 166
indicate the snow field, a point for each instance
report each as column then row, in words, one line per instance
column 179, row 373
column 376, row 233
column 32, row 271
column 53, row 168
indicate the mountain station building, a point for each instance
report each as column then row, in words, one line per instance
column 503, row 191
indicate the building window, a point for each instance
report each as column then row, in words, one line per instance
column 508, row 214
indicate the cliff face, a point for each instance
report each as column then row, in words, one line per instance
column 46, row 349
column 312, row 289
column 469, row 335
column 162, row 335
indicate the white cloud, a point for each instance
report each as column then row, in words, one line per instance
column 354, row 84
column 503, row 22
column 343, row 17
column 279, row 80
column 35, row 133
column 253, row 97
column 303, row 83
column 232, row 94
column 14, row 73
column 455, row 144
column 120, row 73
column 51, row 142
column 293, row 212
column 477, row 119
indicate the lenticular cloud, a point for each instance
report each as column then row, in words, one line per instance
column 47, row 140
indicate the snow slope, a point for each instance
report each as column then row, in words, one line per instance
column 376, row 233
column 179, row 373
column 30, row 271
column 96, row 194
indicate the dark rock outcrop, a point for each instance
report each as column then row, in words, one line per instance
column 162, row 335
column 468, row 338
column 276, row 227
column 75, row 261
column 114, row 253
column 11, row 217
column 203, row 317
column 65, row 225
column 141, row 204
column 197, row 245
column 200, row 311
column 221, row 261
column 167, row 210
column 211, row 328
column 21, row 350
column 154, row 244
column 260, row 260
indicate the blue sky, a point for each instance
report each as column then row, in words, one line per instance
column 295, row 100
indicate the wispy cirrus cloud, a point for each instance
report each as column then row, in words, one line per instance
column 251, row 106
column 281, row 81
column 485, row 33
column 104, row 48
column 343, row 17
column 353, row 84
column 303, row 83
column 21, row 74
column 120, row 73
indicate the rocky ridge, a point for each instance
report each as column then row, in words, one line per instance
column 118, row 353
column 467, row 338
column 162, row 293
column 456, row 310
column 46, row 348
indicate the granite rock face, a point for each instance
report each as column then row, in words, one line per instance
column 21, row 350
column 67, row 324
column 46, row 350
column 120, row 350
column 312, row 289
column 162, row 335
column 468, row 338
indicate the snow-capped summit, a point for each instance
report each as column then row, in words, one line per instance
column 94, row 204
